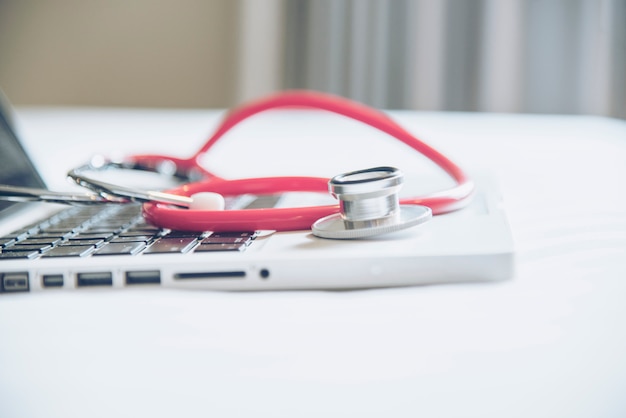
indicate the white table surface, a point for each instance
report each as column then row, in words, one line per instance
column 551, row 342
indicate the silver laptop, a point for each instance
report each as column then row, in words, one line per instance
column 51, row 248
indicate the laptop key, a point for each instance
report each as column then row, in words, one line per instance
column 184, row 234
column 96, row 242
column 95, row 235
column 243, row 234
column 226, row 240
column 17, row 236
column 7, row 255
column 59, row 231
column 120, row 248
column 219, row 247
column 171, row 245
column 4, row 241
column 138, row 233
column 51, row 235
column 69, row 251
column 41, row 241
column 24, row 247
column 132, row 238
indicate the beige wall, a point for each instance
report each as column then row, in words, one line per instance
column 176, row 53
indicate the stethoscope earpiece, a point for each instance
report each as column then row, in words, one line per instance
column 369, row 205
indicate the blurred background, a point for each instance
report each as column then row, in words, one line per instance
column 535, row 56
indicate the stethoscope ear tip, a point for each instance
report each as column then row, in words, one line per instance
column 207, row 201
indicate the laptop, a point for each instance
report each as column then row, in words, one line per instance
column 51, row 248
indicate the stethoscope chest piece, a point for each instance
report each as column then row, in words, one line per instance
column 369, row 206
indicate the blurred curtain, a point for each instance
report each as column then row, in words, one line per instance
column 540, row 56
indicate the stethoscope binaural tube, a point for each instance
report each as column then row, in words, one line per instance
column 285, row 219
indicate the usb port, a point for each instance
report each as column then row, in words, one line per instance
column 94, row 279
column 143, row 277
column 52, row 280
column 15, row 282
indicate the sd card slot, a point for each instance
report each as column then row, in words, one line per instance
column 210, row 275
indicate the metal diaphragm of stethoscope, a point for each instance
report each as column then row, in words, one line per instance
column 369, row 206
column 369, row 202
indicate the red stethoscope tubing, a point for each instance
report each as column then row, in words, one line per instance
column 289, row 219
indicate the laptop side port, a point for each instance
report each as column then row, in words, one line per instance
column 143, row 277
column 52, row 280
column 15, row 282
column 211, row 275
column 98, row 278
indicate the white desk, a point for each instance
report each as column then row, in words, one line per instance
column 549, row 343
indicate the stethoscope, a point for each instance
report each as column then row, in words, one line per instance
column 368, row 200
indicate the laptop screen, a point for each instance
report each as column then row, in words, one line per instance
column 16, row 169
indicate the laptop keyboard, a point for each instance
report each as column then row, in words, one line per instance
column 98, row 231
